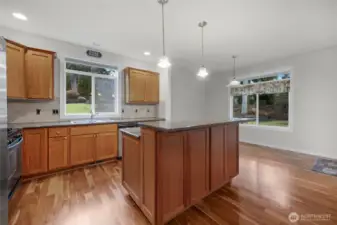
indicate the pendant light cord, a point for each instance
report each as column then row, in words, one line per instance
column 234, row 73
column 163, row 26
column 202, row 45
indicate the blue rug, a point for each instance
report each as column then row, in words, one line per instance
column 326, row 166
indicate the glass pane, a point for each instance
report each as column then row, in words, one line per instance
column 105, row 95
column 78, row 95
column 244, row 107
column 273, row 109
column 92, row 69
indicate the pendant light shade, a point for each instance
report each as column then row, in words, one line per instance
column 234, row 82
column 164, row 61
column 202, row 70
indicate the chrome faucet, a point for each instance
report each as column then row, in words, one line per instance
column 92, row 115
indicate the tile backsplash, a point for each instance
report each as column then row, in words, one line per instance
column 23, row 112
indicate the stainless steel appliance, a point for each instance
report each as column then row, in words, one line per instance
column 3, row 135
column 14, row 141
column 120, row 141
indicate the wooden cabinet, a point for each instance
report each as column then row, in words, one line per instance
column 16, row 86
column 58, row 153
column 137, row 84
column 82, row 149
column 170, row 174
column 39, row 69
column 152, row 88
column 218, row 157
column 34, row 152
column 30, row 72
column 141, row 86
column 132, row 176
column 106, row 146
column 232, row 150
column 198, row 163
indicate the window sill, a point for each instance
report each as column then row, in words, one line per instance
column 88, row 116
column 264, row 127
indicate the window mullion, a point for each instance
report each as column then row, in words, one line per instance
column 257, row 110
column 93, row 96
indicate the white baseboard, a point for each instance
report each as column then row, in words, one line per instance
column 289, row 149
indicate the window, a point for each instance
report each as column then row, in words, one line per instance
column 266, row 99
column 90, row 88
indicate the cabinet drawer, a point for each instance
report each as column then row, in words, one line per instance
column 93, row 129
column 58, row 132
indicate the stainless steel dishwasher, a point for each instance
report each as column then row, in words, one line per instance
column 120, row 141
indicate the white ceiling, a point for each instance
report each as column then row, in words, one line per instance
column 256, row 30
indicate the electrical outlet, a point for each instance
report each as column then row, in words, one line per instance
column 136, row 110
column 122, row 110
column 55, row 111
column 38, row 111
column 148, row 110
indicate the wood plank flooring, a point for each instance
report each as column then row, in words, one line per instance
column 271, row 184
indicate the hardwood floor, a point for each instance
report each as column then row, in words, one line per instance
column 271, row 184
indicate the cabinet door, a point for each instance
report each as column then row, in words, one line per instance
column 170, row 190
column 232, row 149
column 34, row 152
column 82, row 149
column 58, row 153
column 198, row 155
column 106, row 145
column 132, row 167
column 218, row 164
column 152, row 89
column 39, row 74
column 16, row 87
column 136, row 86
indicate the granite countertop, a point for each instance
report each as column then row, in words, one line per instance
column 133, row 131
column 80, row 122
column 177, row 126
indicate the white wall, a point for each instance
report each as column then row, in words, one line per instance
column 188, row 95
column 314, row 121
column 64, row 49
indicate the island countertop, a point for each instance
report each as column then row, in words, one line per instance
column 171, row 126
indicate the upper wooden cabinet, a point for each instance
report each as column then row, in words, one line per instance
column 39, row 74
column 30, row 72
column 141, row 86
column 16, row 87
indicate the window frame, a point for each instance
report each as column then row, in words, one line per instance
column 289, row 128
column 63, row 89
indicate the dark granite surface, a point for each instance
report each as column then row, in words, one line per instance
column 79, row 122
column 177, row 126
column 133, row 131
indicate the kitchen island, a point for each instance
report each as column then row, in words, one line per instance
column 171, row 166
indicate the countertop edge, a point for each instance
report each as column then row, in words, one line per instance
column 192, row 126
column 67, row 124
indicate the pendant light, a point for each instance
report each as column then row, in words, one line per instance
column 164, row 61
column 202, row 70
column 234, row 82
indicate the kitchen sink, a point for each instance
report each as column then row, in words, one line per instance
column 86, row 121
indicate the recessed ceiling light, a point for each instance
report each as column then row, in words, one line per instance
column 19, row 16
column 147, row 53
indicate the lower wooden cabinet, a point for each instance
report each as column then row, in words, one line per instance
column 106, row 145
column 232, row 150
column 132, row 158
column 82, row 149
column 34, row 154
column 58, row 153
